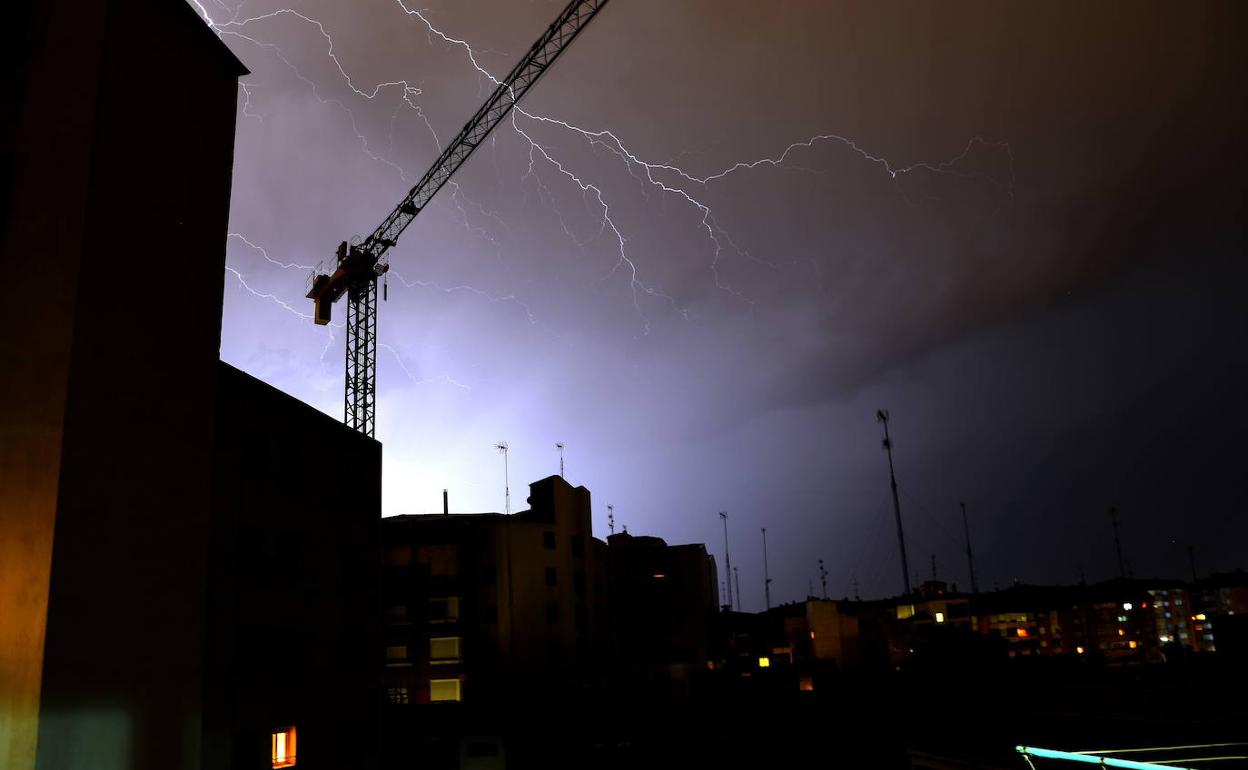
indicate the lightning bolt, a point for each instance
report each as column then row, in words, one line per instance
column 666, row 178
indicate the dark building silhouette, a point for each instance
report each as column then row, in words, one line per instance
column 662, row 605
column 178, row 567
column 482, row 608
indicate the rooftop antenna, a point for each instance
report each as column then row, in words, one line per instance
column 727, row 558
column 766, row 574
column 857, row 598
column 611, row 518
column 823, row 579
column 881, row 416
column 736, row 574
column 446, row 504
column 970, row 557
column 504, row 449
column 1113, row 518
column 559, row 446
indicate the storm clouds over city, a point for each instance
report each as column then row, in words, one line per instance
column 719, row 236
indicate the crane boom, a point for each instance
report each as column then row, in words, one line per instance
column 358, row 267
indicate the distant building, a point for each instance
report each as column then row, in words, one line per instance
column 662, row 604
column 188, row 561
column 482, row 608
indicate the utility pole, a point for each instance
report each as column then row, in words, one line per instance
column 881, row 416
column 1113, row 517
column 727, row 558
column 504, row 449
column 611, row 518
column 736, row 574
column 970, row 557
column 1191, row 562
column 766, row 573
column 823, row 579
column 559, row 446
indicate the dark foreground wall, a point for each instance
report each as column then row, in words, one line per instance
column 294, row 605
column 116, row 171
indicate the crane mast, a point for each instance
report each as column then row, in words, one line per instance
column 358, row 267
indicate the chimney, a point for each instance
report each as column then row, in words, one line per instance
column 446, row 505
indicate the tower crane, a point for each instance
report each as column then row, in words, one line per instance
column 358, row 267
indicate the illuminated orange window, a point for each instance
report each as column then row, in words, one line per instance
column 1022, row 633
column 284, row 747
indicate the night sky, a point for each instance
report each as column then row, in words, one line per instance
column 1017, row 227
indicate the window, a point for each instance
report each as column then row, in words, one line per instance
column 397, row 613
column 552, row 613
column 396, row 652
column 551, row 576
column 444, row 610
column 397, row 694
column 940, row 617
column 444, row 690
column 548, row 539
column 444, row 649
column 284, row 747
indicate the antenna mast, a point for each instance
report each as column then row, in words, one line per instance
column 970, row 557
column 504, row 449
column 727, row 558
column 611, row 518
column 766, row 573
column 881, row 416
column 559, row 446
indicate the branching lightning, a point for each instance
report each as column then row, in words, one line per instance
column 665, row 178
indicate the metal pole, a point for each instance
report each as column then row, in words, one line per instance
column 736, row 575
column 882, row 416
column 502, row 447
column 823, row 579
column 727, row 557
column 970, row 557
column 1113, row 517
column 559, row 446
column 766, row 573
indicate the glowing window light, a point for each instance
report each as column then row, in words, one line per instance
column 1132, row 645
column 1200, row 616
column 1121, row 632
column 1126, row 605
column 764, row 662
column 1079, row 650
column 1022, row 633
column 444, row 690
column 940, row 617
column 284, row 747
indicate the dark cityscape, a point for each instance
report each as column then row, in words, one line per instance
column 648, row 383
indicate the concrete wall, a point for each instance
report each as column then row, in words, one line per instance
column 294, row 582
column 116, row 215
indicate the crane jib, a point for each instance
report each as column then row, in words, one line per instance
column 358, row 267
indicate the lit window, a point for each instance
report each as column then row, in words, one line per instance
column 764, row 662
column 284, row 747
column 444, row 690
column 1079, row 650
column 1022, row 633
column 940, row 617
column 1132, row 645
column 806, row 684
column 905, row 611
column 444, row 649
column 1126, row 606
column 812, row 634
column 1121, row 632
column 1201, row 616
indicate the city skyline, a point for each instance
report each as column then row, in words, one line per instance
column 1047, row 341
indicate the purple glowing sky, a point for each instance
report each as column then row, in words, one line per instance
column 1055, row 318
